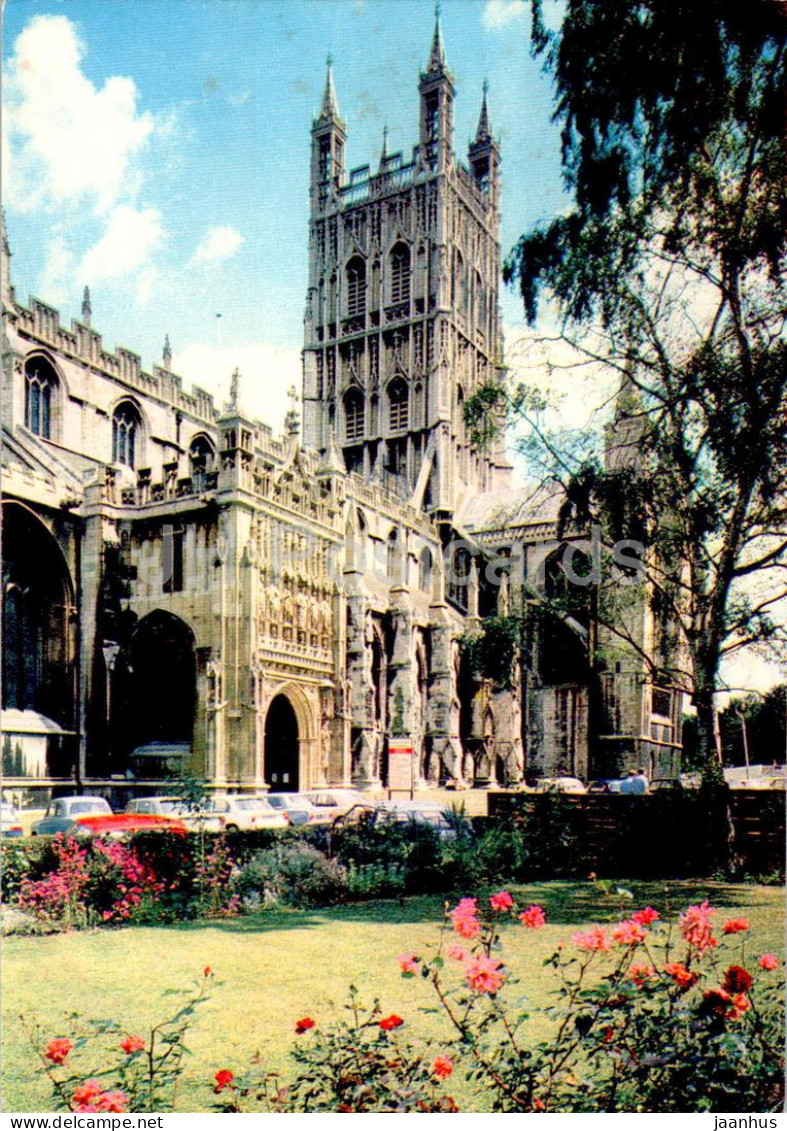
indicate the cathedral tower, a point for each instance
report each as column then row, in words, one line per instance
column 402, row 316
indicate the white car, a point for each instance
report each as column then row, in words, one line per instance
column 243, row 812
column 331, row 803
column 10, row 825
column 216, row 814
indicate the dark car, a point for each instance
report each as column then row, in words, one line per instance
column 63, row 811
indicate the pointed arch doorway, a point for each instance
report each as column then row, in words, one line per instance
column 282, row 746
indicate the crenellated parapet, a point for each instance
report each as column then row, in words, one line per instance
column 82, row 344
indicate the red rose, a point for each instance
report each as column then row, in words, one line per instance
column 58, row 1049
column 132, row 1044
column 534, row 917
column 681, row 976
column 645, row 917
column 392, row 1022
column 733, row 926
column 86, row 1092
column 501, row 901
column 443, row 1067
column 304, row 1024
column 223, row 1079
column 737, row 980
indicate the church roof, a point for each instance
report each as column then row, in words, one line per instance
column 527, row 505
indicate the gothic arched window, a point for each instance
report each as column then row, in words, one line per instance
column 201, row 457
column 125, row 434
column 459, row 294
column 398, row 414
column 354, row 415
column 480, row 302
column 356, row 288
column 390, row 554
column 425, row 570
column 400, row 273
column 40, row 392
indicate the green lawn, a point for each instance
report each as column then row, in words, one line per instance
column 272, row 968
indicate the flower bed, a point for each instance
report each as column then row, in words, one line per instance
column 645, row 1015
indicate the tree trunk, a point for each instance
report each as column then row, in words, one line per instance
column 714, row 791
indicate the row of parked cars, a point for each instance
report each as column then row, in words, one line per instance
column 93, row 816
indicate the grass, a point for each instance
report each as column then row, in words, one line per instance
column 272, row 968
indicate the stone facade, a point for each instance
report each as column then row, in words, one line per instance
column 182, row 588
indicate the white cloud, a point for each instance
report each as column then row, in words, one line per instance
column 218, row 243
column 126, row 246
column 70, row 141
column 499, row 13
column 56, row 281
column 267, row 372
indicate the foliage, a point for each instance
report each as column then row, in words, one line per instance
column 671, row 114
column 100, row 1066
column 765, row 717
column 494, row 652
column 216, row 875
column 411, row 851
column 667, row 271
column 295, row 874
column 649, row 1016
column 192, row 788
column 358, row 1063
column 102, row 881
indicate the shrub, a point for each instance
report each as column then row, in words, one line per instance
column 100, row 1066
column 359, row 1063
column 103, row 881
column 295, row 873
column 216, row 876
column 648, row 1017
column 411, row 850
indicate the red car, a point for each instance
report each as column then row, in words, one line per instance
column 124, row 824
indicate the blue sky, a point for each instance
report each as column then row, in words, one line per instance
column 158, row 150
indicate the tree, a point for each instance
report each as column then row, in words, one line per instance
column 668, row 269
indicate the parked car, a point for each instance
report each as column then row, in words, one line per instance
column 605, row 785
column 421, row 812
column 561, row 784
column 10, row 824
column 296, row 807
column 117, row 825
column 215, row 814
column 244, row 812
column 159, row 806
column 200, row 818
column 332, row 803
column 63, row 811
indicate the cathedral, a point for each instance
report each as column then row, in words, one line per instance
column 184, row 590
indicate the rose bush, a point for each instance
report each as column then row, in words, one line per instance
column 101, row 1066
column 648, row 1016
column 358, row 1063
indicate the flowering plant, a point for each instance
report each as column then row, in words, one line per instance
column 649, row 1017
column 102, row 1067
column 104, row 881
column 359, row 1062
column 216, row 875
